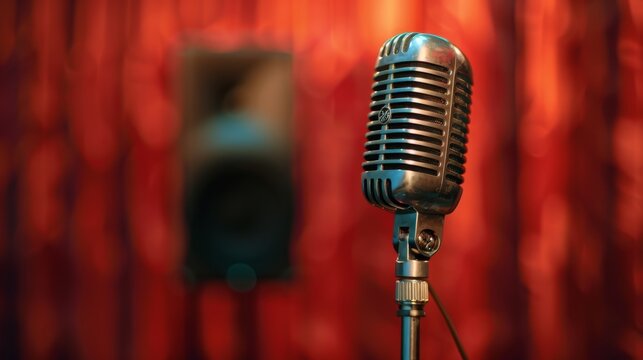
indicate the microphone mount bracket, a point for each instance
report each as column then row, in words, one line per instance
column 416, row 238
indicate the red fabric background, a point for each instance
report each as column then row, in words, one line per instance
column 541, row 260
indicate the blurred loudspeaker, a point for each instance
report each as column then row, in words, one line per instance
column 236, row 146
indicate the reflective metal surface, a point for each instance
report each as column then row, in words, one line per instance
column 418, row 125
column 414, row 157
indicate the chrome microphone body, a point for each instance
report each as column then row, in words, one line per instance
column 414, row 156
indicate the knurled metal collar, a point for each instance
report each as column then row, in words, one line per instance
column 411, row 291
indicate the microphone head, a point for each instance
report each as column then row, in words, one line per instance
column 417, row 127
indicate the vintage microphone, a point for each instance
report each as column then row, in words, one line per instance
column 414, row 159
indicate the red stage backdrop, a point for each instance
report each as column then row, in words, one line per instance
column 542, row 259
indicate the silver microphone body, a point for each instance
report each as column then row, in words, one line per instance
column 418, row 125
column 414, row 157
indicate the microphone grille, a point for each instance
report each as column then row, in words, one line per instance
column 396, row 44
column 417, row 125
column 459, row 126
column 408, row 116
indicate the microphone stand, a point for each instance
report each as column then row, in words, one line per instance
column 416, row 238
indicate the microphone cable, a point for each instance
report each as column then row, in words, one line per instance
column 450, row 325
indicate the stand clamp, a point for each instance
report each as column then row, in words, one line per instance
column 416, row 238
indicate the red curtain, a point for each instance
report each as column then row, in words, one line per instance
column 541, row 260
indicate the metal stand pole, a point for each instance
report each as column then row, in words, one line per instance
column 410, row 315
column 410, row 337
column 416, row 238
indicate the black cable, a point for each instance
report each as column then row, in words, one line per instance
column 454, row 334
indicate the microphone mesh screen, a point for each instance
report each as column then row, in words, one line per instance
column 459, row 127
column 416, row 93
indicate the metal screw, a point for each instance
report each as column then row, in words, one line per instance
column 427, row 241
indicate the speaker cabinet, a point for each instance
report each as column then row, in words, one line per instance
column 236, row 147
